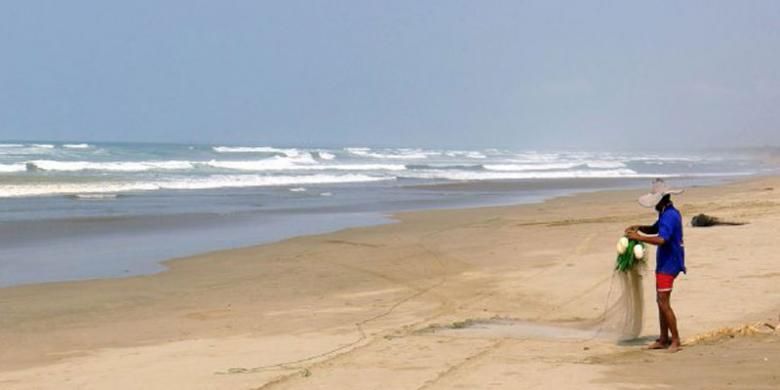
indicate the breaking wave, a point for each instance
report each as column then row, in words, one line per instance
column 209, row 182
column 398, row 154
column 302, row 162
column 43, row 168
column 10, row 168
column 118, row 166
column 281, row 164
column 555, row 166
column 289, row 152
column 475, row 176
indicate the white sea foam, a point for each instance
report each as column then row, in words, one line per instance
column 289, row 152
column 272, row 164
column 465, row 153
column 198, row 183
column 600, row 164
column 117, row 166
column 233, row 181
column 326, row 156
column 10, row 168
column 543, row 166
column 399, row 154
column 22, row 190
column 530, row 167
column 534, row 157
column 475, row 176
column 95, row 196
column 19, row 149
column 305, row 163
column 359, row 167
column 539, row 166
column 135, row 169
column 245, row 149
column 663, row 158
column 298, row 189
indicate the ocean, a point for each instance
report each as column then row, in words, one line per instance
column 72, row 211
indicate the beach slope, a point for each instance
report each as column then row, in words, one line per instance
column 499, row 298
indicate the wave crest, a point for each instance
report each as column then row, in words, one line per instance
column 10, row 168
column 209, row 182
column 118, row 166
column 289, row 152
column 399, row 154
column 477, row 176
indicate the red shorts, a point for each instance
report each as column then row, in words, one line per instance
column 664, row 282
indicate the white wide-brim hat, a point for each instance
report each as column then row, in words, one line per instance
column 660, row 189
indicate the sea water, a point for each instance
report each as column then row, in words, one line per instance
column 71, row 211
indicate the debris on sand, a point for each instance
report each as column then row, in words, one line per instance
column 759, row 328
column 704, row 220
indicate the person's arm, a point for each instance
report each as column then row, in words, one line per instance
column 653, row 240
column 650, row 229
column 646, row 229
column 663, row 230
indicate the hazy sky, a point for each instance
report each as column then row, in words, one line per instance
column 521, row 74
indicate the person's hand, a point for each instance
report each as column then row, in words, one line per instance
column 632, row 235
column 633, row 228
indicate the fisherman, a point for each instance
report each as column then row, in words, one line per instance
column 667, row 235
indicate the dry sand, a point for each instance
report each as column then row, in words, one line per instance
column 475, row 298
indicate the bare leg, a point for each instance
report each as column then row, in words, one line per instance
column 665, row 307
column 664, row 327
column 663, row 338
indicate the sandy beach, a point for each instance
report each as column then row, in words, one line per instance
column 483, row 298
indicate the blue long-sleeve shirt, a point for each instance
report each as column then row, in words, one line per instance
column 670, row 257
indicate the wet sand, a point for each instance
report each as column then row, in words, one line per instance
column 498, row 297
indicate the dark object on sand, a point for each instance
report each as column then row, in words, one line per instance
column 704, row 220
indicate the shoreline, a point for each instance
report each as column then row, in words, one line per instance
column 432, row 267
column 74, row 247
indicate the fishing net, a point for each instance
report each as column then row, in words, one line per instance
column 624, row 312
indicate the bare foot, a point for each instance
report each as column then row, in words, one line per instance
column 674, row 347
column 658, row 344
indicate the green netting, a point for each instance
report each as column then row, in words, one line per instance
column 626, row 261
